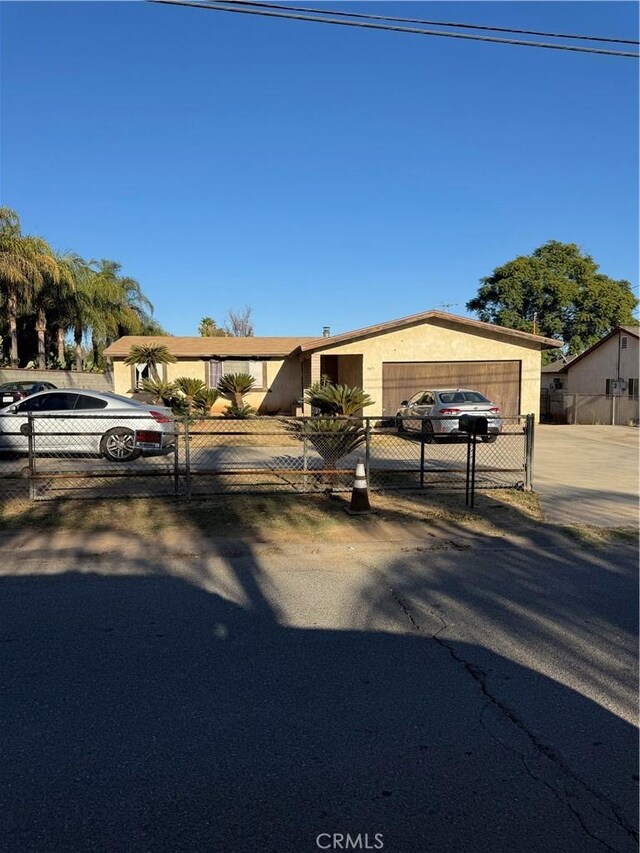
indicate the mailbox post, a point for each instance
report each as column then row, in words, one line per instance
column 473, row 426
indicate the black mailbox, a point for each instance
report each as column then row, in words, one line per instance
column 473, row 424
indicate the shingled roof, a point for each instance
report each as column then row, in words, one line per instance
column 227, row 347
column 199, row 347
column 415, row 319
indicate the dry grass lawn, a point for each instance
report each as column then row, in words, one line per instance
column 290, row 517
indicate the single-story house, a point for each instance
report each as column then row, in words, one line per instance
column 609, row 366
column 390, row 361
column 581, row 389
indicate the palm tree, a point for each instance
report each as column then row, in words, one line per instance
column 192, row 390
column 21, row 265
column 119, row 306
column 151, row 355
column 234, row 385
column 336, row 432
column 162, row 393
column 208, row 328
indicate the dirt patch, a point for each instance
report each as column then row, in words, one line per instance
column 266, row 517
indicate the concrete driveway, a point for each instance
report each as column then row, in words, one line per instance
column 587, row 474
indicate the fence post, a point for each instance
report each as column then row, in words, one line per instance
column 305, row 454
column 423, row 431
column 187, row 459
column 32, row 457
column 367, row 448
column 613, row 408
column 528, row 453
column 176, row 460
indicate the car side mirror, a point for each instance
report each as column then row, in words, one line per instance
column 404, row 402
column 13, row 410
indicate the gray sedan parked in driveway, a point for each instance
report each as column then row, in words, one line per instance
column 438, row 412
column 73, row 421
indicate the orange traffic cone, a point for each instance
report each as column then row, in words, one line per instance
column 360, row 494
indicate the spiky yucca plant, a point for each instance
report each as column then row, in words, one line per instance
column 234, row 386
column 239, row 412
column 335, row 432
column 334, row 399
column 190, row 389
column 205, row 400
column 161, row 392
column 152, row 355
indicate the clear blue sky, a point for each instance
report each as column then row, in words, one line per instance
column 322, row 175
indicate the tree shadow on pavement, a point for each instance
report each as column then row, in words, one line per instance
column 143, row 713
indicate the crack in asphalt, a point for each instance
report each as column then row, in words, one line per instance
column 480, row 677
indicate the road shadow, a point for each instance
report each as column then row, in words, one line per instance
column 143, row 713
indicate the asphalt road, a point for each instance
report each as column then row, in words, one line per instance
column 443, row 694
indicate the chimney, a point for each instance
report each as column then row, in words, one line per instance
column 326, row 331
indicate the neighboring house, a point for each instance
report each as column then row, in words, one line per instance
column 391, row 361
column 582, row 390
column 552, row 376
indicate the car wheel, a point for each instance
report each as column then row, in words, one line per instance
column 489, row 439
column 427, row 432
column 400, row 424
column 117, row 445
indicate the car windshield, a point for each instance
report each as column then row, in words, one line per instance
column 462, row 397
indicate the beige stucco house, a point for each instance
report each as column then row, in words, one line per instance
column 391, row 361
column 600, row 385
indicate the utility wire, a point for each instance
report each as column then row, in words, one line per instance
column 428, row 23
column 243, row 10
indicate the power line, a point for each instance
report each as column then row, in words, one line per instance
column 342, row 14
column 243, row 10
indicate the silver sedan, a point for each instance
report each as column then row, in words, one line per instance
column 72, row 421
column 437, row 412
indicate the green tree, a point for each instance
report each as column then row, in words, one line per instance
column 152, row 355
column 338, row 430
column 27, row 267
column 191, row 390
column 208, row 328
column 556, row 291
column 234, row 386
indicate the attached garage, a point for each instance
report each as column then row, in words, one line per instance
column 499, row 381
column 393, row 361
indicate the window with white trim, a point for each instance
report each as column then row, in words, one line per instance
column 141, row 372
column 220, row 368
column 633, row 387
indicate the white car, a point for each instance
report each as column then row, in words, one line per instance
column 438, row 412
column 73, row 421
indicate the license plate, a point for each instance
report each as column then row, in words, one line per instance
column 7, row 399
column 148, row 439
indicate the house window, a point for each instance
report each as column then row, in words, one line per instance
column 257, row 369
column 633, row 387
column 140, row 372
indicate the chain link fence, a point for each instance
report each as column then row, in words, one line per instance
column 46, row 457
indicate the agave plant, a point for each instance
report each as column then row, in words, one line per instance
column 234, row 385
